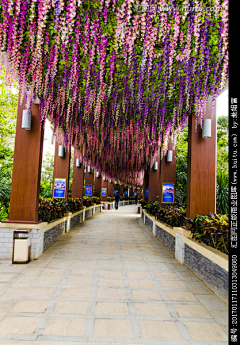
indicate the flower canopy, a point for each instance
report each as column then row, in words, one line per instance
column 116, row 78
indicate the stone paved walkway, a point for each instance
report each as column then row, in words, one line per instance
column 108, row 281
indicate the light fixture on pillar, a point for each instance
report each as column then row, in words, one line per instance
column 110, row 181
column 104, row 179
column 26, row 119
column 61, row 151
column 89, row 169
column 78, row 164
column 36, row 100
column 85, row 169
column 97, row 174
column 206, row 130
column 155, row 166
column 169, row 155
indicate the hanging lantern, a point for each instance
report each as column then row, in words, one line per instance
column 169, row 155
column 36, row 100
column 206, row 130
column 61, row 151
column 78, row 164
column 155, row 166
column 26, row 119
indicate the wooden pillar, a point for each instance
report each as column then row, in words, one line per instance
column 78, row 175
column 110, row 189
column 167, row 171
column 145, row 185
column 98, row 184
column 154, row 181
column 201, row 177
column 89, row 179
column 121, row 190
column 104, row 184
column 27, row 164
column 130, row 192
column 139, row 193
column 62, row 167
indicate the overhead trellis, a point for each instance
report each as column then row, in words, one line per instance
column 117, row 78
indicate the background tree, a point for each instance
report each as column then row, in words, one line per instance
column 8, row 115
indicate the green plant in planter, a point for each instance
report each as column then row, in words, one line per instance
column 171, row 215
column 87, row 202
column 151, row 207
column 213, row 230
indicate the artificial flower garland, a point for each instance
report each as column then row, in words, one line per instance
column 116, row 78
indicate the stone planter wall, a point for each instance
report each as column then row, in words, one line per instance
column 42, row 235
column 207, row 263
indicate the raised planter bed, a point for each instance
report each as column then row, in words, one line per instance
column 44, row 234
column 207, row 263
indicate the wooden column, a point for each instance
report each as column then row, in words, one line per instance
column 27, row 164
column 121, row 190
column 139, row 193
column 62, row 167
column 167, row 171
column 78, row 175
column 154, row 181
column 104, row 185
column 110, row 189
column 131, row 192
column 98, row 185
column 201, row 178
column 145, row 185
column 89, row 179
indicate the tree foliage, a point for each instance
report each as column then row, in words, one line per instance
column 8, row 115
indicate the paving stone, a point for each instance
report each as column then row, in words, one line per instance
column 108, row 281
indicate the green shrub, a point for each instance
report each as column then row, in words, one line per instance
column 151, row 207
column 52, row 209
column 213, row 230
column 171, row 215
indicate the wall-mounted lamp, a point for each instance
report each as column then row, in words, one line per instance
column 26, row 119
column 85, row 169
column 110, row 181
column 97, row 174
column 61, row 151
column 169, row 155
column 36, row 100
column 78, row 164
column 104, row 179
column 155, row 166
column 206, row 130
column 89, row 169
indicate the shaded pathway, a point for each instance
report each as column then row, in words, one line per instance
column 108, row 281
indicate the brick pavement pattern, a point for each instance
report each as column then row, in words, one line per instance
column 108, row 281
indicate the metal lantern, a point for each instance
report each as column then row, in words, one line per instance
column 78, row 164
column 89, row 169
column 61, row 151
column 169, row 155
column 36, row 100
column 206, row 130
column 26, row 119
column 155, row 166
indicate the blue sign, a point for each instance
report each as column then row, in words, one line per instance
column 104, row 191
column 168, row 192
column 88, row 189
column 147, row 192
column 135, row 193
column 115, row 192
column 126, row 193
column 59, row 188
